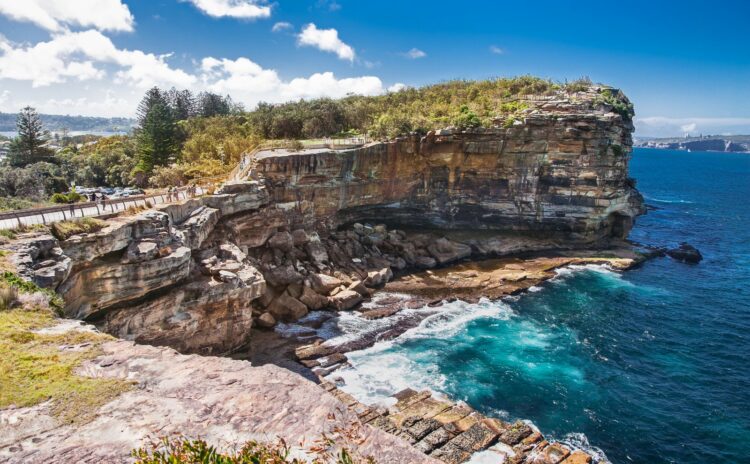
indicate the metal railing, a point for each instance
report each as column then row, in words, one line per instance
column 19, row 219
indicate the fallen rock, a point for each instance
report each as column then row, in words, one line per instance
column 324, row 284
column 281, row 241
column 286, row 308
column 312, row 299
column 359, row 287
column 282, row 276
column 377, row 278
column 445, row 251
column 344, row 300
column 266, row 321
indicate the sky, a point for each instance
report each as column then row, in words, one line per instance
column 684, row 64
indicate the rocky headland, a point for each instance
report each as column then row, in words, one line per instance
column 322, row 230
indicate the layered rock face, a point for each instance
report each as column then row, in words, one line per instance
column 560, row 172
column 197, row 275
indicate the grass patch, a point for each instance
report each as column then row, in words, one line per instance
column 63, row 230
column 34, row 368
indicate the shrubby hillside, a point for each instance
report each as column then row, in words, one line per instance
column 180, row 136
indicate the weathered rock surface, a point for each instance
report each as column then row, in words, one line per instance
column 223, row 401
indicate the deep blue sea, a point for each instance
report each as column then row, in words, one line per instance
column 649, row 366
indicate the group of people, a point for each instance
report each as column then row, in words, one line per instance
column 173, row 193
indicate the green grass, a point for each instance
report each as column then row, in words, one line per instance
column 34, row 369
column 63, row 230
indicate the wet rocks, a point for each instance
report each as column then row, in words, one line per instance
column 453, row 432
column 685, row 253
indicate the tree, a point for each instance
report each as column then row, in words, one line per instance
column 29, row 146
column 211, row 104
column 182, row 104
column 157, row 133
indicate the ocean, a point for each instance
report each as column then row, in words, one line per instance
column 649, row 366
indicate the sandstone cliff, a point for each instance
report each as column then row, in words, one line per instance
column 196, row 275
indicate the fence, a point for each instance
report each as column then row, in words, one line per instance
column 34, row 216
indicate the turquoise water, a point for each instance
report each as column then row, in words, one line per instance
column 649, row 366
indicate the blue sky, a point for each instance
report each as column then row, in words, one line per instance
column 685, row 65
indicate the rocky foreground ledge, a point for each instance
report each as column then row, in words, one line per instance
column 223, row 401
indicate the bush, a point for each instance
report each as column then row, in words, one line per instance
column 185, row 451
column 63, row 230
column 66, row 198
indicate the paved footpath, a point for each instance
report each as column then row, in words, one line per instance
column 9, row 220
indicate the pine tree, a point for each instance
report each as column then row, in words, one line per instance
column 157, row 132
column 29, row 146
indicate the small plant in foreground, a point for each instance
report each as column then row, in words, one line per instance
column 186, row 451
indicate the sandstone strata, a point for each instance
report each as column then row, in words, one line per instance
column 320, row 228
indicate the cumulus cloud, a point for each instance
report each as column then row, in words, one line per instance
column 326, row 40
column 281, row 26
column 80, row 55
column 496, row 50
column 56, row 15
column 243, row 9
column 250, row 83
column 397, row 87
column 415, row 54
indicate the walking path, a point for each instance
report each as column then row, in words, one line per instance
column 30, row 217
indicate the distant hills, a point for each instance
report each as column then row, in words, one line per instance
column 56, row 123
column 720, row 143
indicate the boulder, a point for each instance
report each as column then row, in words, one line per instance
column 299, row 237
column 282, row 276
column 281, row 241
column 344, row 300
column 425, row 262
column 444, row 251
column 313, row 300
column 376, row 278
column 685, row 253
column 315, row 250
column 286, row 308
column 323, row 283
column 359, row 287
column 266, row 321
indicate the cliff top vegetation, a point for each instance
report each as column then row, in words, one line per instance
column 182, row 136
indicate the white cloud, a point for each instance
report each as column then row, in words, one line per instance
column 281, row 26
column 243, row 9
column 326, row 40
column 77, row 54
column 55, row 15
column 414, row 54
column 496, row 50
column 4, row 97
column 397, row 87
column 688, row 127
column 250, row 83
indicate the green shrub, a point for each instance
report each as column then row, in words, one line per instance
column 185, row 451
column 617, row 102
column 466, row 118
column 63, row 198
